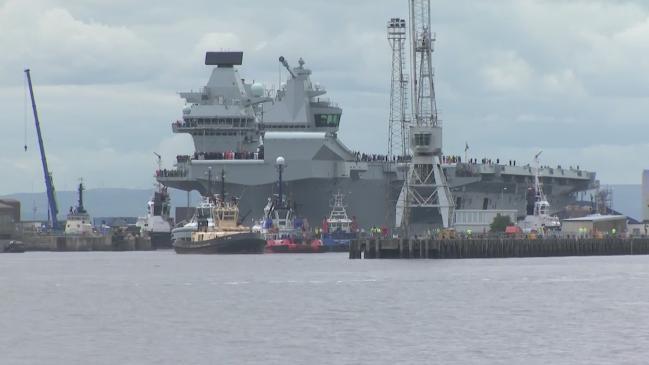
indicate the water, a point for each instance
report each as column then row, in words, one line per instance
column 162, row 308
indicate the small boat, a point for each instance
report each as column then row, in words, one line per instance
column 283, row 230
column 14, row 247
column 226, row 236
column 157, row 222
column 338, row 230
column 286, row 233
column 78, row 221
column 538, row 218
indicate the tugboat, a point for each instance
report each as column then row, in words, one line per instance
column 157, row 222
column 183, row 233
column 538, row 218
column 338, row 230
column 226, row 236
column 78, row 221
column 283, row 230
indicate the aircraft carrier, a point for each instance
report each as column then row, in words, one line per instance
column 242, row 128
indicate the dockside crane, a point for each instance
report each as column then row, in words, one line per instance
column 425, row 187
column 49, row 184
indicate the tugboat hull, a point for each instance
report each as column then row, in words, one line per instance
column 337, row 245
column 160, row 240
column 338, row 241
column 239, row 243
column 14, row 247
column 287, row 246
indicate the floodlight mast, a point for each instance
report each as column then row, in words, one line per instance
column 398, row 123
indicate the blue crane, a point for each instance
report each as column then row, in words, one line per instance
column 49, row 185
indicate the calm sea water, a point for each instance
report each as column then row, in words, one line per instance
column 162, row 308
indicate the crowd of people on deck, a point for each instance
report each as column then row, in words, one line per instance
column 377, row 232
column 182, row 123
column 183, row 158
column 451, row 159
column 227, row 155
column 375, row 157
column 359, row 156
column 488, row 161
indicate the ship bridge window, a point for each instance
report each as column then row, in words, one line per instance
column 422, row 139
column 228, row 215
column 236, row 122
column 327, row 120
column 203, row 212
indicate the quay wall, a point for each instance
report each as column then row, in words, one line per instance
column 85, row 243
column 374, row 248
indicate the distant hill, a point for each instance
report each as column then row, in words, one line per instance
column 105, row 202
column 115, row 202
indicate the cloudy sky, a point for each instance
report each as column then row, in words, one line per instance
column 512, row 77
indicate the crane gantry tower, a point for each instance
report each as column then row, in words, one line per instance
column 425, row 188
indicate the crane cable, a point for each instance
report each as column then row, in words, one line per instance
column 25, row 111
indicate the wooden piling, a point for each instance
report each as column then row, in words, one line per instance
column 496, row 247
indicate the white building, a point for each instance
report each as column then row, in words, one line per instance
column 595, row 224
column 479, row 221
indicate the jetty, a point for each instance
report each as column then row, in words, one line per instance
column 116, row 240
column 377, row 248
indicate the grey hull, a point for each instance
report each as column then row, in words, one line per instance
column 372, row 201
column 367, row 200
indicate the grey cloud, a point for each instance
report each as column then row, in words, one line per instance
column 511, row 75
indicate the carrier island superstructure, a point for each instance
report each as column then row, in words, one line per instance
column 241, row 128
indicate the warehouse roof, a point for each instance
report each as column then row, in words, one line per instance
column 4, row 206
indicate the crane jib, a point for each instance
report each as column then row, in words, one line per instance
column 49, row 184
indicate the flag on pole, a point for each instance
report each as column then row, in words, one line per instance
column 466, row 146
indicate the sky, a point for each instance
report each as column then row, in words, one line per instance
column 512, row 77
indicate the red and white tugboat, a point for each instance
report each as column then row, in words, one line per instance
column 283, row 230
